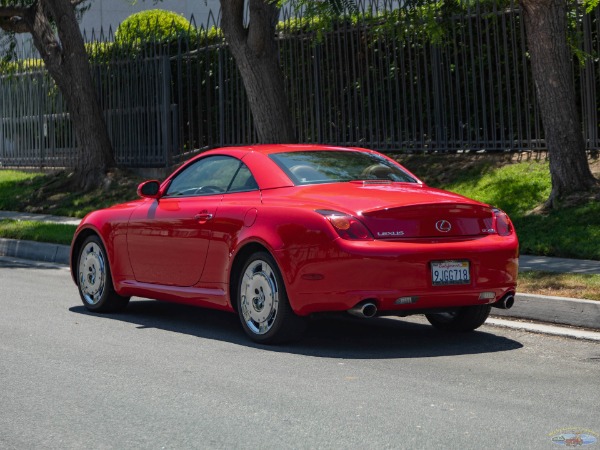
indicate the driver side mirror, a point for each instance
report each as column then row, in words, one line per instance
column 149, row 189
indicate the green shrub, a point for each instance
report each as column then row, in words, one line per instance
column 21, row 65
column 100, row 51
column 210, row 35
column 154, row 25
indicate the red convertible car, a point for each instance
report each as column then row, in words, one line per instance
column 277, row 233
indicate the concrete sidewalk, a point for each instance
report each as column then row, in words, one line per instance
column 559, row 310
column 561, row 265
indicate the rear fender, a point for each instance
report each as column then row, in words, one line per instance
column 292, row 237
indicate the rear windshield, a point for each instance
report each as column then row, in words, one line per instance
column 314, row 167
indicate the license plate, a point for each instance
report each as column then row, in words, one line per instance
column 444, row 273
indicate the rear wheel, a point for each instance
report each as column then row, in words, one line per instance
column 94, row 279
column 464, row 319
column 263, row 305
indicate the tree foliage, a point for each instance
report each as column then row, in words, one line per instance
column 155, row 25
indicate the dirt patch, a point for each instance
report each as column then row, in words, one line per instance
column 560, row 284
column 57, row 196
column 595, row 166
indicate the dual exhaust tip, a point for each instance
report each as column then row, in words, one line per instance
column 367, row 310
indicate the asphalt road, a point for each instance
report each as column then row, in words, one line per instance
column 170, row 376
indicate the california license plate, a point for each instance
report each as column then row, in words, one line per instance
column 444, row 273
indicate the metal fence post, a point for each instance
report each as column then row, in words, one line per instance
column 221, row 88
column 2, row 122
column 438, row 99
column 166, row 124
column 40, row 114
column 317, row 84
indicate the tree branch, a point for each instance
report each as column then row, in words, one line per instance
column 44, row 38
column 13, row 11
column 15, row 25
column 12, row 18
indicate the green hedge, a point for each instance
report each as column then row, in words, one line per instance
column 154, row 25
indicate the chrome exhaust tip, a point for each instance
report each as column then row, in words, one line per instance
column 506, row 302
column 364, row 310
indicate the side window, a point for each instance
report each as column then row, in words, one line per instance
column 210, row 175
column 243, row 181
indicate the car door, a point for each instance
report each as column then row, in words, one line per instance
column 168, row 238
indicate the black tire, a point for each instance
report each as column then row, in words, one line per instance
column 467, row 318
column 94, row 279
column 262, row 303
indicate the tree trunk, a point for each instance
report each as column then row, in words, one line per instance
column 551, row 60
column 73, row 76
column 257, row 58
column 67, row 62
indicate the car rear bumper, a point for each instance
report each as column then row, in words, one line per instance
column 396, row 276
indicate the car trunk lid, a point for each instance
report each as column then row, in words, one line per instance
column 428, row 220
column 394, row 211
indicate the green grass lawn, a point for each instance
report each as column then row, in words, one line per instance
column 515, row 188
column 37, row 231
column 16, row 188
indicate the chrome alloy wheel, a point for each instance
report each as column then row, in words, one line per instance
column 259, row 297
column 92, row 273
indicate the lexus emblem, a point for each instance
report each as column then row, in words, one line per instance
column 443, row 226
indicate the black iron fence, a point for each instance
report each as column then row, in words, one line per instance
column 379, row 78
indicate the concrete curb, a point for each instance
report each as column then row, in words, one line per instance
column 37, row 251
column 559, row 310
column 542, row 308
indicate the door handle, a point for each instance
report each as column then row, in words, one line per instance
column 203, row 217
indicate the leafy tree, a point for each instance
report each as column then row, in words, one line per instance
column 56, row 35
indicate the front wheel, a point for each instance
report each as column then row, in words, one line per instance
column 94, row 280
column 263, row 305
column 467, row 318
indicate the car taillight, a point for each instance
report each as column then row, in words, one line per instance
column 504, row 226
column 347, row 226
